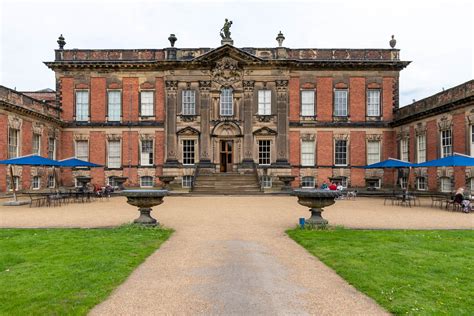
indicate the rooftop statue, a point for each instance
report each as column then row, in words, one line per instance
column 225, row 30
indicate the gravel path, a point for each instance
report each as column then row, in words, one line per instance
column 230, row 255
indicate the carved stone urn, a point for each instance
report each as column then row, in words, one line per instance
column 166, row 180
column 145, row 200
column 316, row 199
column 286, row 182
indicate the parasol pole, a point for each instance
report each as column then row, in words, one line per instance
column 12, row 182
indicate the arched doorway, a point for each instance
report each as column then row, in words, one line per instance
column 227, row 138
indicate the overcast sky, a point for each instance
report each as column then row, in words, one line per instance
column 437, row 36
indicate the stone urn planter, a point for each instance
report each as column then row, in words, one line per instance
column 316, row 200
column 286, row 182
column 145, row 200
column 166, row 181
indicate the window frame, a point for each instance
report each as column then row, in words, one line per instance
column 368, row 103
column 308, row 105
column 13, row 148
column 449, row 146
column 76, row 105
column 264, row 156
column 51, row 183
column 16, row 183
column 36, row 136
column 304, row 180
column 306, row 159
column 266, row 181
column 53, row 155
column 186, row 110
column 442, row 185
column 265, row 107
column 109, row 165
column 378, row 159
column 346, row 153
column 188, row 156
column 185, row 180
column 150, row 154
column 404, row 149
column 36, row 185
column 76, row 149
column 120, row 106
column 147, row 186
column 152, row 92
column 335, row 109
column 223, row 101
column 418, row 148
column 425, row 184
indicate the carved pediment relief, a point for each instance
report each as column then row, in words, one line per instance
column 188, row 131
column 14, row 122
column 403, row 133
column 445, row 123
column 308, row 137
column 420, row 129
column 470, row 117
column 38, row 128
column 226, row 72
column 53, row 133
column 265, row 131
column 81, row 136
column 374, row 137
column 147, row 136
column 341, row 137
column 114, row 136
column 226, row 128
column 227, row 51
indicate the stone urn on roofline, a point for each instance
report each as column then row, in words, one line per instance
column 316, row 199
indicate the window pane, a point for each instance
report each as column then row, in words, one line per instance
column 189, row 102
column 266, row 182
column 307, row 182
column 51, row 148
column 264, row 152
column 421, row 148
column 307, row 103
column 373, row 152
column 13, row 149
column 188, row 152
column 373, row 103
column 146, row 181
column 187, row 181
column 226, row 102
column 404, row 149
column 114, row 154
column 264, row 102
column 146, row 103
column 446, row 143
column 82, row 105
column 114, row 106
column 340, row 103
column 307, row 153
column 146, row 154
column 340, row 152
column 82, row 150
column 36, row 144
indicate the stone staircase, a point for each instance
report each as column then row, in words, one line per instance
column 230, row 183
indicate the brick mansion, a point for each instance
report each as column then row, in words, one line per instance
column 314, row 114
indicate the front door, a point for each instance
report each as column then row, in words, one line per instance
column 226, row 155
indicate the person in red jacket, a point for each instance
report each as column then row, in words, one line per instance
column 333, row 187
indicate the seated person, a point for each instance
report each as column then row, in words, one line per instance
column 340, row 187
column 333, row 187
column 461, row 200
column 324, row 186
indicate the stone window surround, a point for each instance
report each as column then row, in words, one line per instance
column 272, row 140
column 180, row 153
column 74, row 113
column 141, row 116
column 108, row 105
column 335, row 139
column 308, row 117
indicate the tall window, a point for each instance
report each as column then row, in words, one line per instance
column 446, row 143
column 340, row 152
column 373, row 152
column 36, row 183
column 82, row 150
column 307, row 182
column 404, row 149
column 421, row 184
column 114, row 152
column 51, row 182
column 445, row 183
column 146, row 153
column 264, row 102
column 340, row 102
column 373, row 102
column 227, row 108
column 421, row 148
column 146, row 182
column 188, row 152
column 36, row 144
column 13, row 148
column 189, row 102
column 82, row 105
column 307, row 153
column 51, row 148
column 307, row 103
column 264, row 147
column 114, row 106
column 146, row 103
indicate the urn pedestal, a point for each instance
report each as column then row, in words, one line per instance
column 316, row 200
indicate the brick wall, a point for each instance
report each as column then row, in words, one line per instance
column 389, row 149
column 357, row 95
column 294, row 91
column 387, row 98
column 130, row 100
column 432, row 152
column 67, row 98
column 324, row 97
column 357, row 156
column 160, row 100
column 324, row 148
column 98, row 100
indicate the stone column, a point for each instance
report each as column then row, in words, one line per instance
column 171, row 141
column 282, row 122
column 247, row 161
column 204, row 140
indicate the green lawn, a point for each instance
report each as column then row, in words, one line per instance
column 68, row 271
column 407, row 272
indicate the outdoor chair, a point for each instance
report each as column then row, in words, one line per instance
column 392, row 197
column 437, row 200
column 37, row 200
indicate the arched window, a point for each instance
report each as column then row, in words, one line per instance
column 307, row 182
column 146, row 182
column 226, row 106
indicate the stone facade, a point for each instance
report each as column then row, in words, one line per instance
column 311, row 113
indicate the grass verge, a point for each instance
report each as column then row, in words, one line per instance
column 406, row 272
column 68, row 271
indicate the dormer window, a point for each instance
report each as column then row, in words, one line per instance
column 226, row 102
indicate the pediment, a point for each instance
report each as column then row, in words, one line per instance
column 188, row 131
column 227, row 51
column 265, row 131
